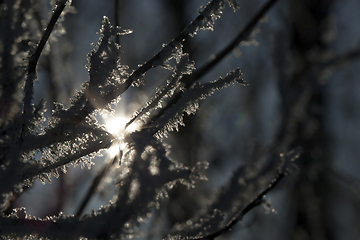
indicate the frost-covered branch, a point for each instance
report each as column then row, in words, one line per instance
column 205, row 20
column 95, row 183
column 243, row 35
column 147, row 172
column 189, row 102
column 33, row 61
column 184, row 67
column 138, row 189
column 283, row 170
column 81, row 107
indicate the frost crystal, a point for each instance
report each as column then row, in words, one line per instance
column 189, row 103
column 208, row 15
column 183, row 67
column 40, row 145
column 105, row 69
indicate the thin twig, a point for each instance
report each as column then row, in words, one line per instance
column 154, row 61
column 103, row 172
column 34, row 59
column 96, row 182
column 117, row 23
column 342, row 58
column 82, row 107
column 239, row 216
column 282, row 171
column 242, row 36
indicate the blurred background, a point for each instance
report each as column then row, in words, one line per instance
column 301, row 64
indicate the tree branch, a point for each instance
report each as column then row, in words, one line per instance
column 34, row 59
column 242, row 36
column 96, row 182
column 283, row 171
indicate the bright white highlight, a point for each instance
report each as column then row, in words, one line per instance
column 116, row 126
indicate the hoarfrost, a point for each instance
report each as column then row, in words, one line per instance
column 185, row 66
column 208, row 15
column 145, row 172
column 189, row 103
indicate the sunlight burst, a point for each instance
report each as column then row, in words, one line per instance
column 116, row 126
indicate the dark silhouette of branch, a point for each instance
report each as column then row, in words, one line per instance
column 117, row 22
column 154, row 61
column 254, row 203
column 164, row 53
column 343, row 58
column 283, row 171
column 97, row 180
column 242, row 36
column 34, row 59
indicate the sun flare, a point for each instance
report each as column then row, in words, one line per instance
column 116, row 126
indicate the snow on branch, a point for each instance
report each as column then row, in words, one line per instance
column 184, row 67
column 283, row 171
column 44, row 146
column 101, row 92
column 206, row 17
column 189, row 103
column 33, row 61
